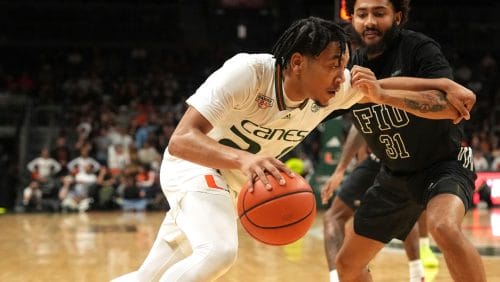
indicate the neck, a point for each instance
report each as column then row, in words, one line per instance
column 372, row 56
column 291, row 88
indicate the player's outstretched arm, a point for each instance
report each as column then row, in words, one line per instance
column 190, row 142
column 431, row 104
column 462, row 98
column 352, row 144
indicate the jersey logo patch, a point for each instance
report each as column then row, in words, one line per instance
column 396, row 73
column 314, row 107
column 263, row 101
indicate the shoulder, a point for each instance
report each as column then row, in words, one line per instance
column 424, row 55
column 255, row 61
column 412, row 38
column 250, row 68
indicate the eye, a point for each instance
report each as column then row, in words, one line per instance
column 361, row 15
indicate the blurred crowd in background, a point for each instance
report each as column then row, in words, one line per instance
column 91, row 115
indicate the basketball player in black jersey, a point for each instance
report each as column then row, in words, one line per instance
column 348, row 198
column 423, row 163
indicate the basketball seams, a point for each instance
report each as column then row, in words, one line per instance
column 245, row 210
column 281, row 226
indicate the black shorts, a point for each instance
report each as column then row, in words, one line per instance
column 394, row 203
column 353, row 188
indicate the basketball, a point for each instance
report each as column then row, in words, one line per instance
column 280, row 216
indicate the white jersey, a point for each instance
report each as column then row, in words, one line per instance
column 46, row 166
column 245, row 103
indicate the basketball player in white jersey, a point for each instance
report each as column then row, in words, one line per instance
column 246, row 115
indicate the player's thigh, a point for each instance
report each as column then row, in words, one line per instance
column 450, row 177
column 208, row 218
column 387, row 212
column 200, row 202
column 353, row 189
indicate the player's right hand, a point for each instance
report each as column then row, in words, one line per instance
column 330, row 186
column 461, row 98
column 256, row 167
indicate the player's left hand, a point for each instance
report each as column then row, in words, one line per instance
column 330, row 186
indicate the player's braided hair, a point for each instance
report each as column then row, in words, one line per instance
column 309, row 37
column 402, row 6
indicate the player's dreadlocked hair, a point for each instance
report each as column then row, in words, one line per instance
column 309, row 37
column 402, row 6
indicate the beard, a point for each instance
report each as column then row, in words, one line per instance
column 384, row 43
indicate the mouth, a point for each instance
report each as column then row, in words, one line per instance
column 332, row 92
column 371, row 34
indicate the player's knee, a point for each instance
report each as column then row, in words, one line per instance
column 227, row 252
column 212, row 260
column 338, row 214
column 346, row 268
column 443, row 231
column 219, row 255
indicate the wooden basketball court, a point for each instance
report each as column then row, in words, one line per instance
column 98, row 246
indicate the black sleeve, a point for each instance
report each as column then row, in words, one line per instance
column 429, row 61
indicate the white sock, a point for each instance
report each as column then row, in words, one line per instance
column 334, row 276
column 416, row 270
column 424, row 242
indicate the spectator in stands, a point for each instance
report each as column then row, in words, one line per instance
column 118, row 134
column 43, row 168
column 101, row 144
column 79, row 197
column 106, row 186
column 480, row 162
column 132, row 198
column 83, row 131
column 495, row 165
column 82, row 161
column 166, row 131
column 32, row 197
column 142, row 133
column 149, row 155
column 147, row 181
column 118, row 158
column 67, row 186
column 62, row 154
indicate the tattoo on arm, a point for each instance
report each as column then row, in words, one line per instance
column 430, row 101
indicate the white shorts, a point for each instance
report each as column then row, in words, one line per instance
column 177, row 175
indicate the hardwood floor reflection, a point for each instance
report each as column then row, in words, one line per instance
column 99, row 246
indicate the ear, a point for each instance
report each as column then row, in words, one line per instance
column 398, row 17
column 297, row 62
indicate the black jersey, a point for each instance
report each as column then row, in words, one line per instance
column 404, row 142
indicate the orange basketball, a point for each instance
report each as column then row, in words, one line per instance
column 280, row 216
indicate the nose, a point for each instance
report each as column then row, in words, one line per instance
column 340, row 78
column 370, row 20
